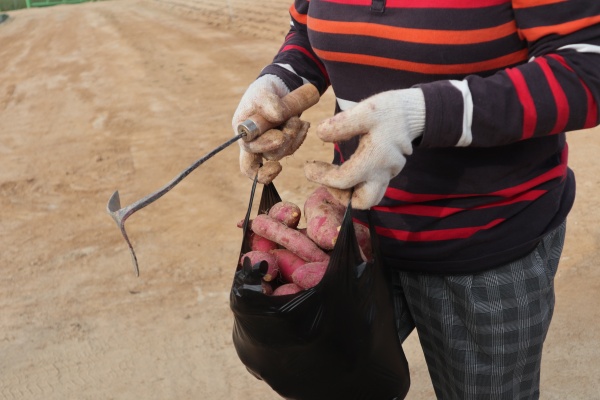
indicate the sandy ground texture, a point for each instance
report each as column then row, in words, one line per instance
column 124, row 95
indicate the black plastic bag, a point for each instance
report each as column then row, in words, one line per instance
column 337, row 340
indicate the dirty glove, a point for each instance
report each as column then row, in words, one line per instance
column 263, row 153
column 387, row 123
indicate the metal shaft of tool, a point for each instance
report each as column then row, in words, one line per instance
column 144, row 201
column 121, row 214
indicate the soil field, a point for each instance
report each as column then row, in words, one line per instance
column 124, row 95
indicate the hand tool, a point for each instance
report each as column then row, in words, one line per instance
column 294, row 104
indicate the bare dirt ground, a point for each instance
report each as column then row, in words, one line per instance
column 124, row 95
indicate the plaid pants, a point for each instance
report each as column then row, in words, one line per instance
column 482, row 334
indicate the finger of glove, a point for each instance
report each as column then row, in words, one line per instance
column 295, row 131
column 330, row 175
column 245, row 109
column 365, row 195
column 375, row 159
column 268, row 171
column 358, row 168
column 368, row 194
column 270, row 107
column 345, row 125
column 341, row 195
column 249, row 163
column 269, row 141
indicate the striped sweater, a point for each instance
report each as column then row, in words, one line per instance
column 503, row 81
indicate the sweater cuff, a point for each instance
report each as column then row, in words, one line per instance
column 444, row 115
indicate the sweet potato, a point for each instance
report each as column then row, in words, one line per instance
column 288, row 262
column 260, row 243
column 288, row 288
column 258, row 256
column 286, row 212
column 363, row 236
column 289, row 238
column 324, row 215
column 267, row 288
column 308, row 275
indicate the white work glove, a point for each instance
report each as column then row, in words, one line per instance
column 263, row 97
column 388, row 123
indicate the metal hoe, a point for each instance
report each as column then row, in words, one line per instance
column 294, row 104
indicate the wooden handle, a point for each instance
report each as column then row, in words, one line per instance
column 294, row 103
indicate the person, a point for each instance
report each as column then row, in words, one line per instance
column 450, row 129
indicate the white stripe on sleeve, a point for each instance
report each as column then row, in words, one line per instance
column 582, row 48
column 289, row 68
column 467, row 136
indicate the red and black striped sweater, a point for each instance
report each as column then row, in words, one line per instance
column 503, row 80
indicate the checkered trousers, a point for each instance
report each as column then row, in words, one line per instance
column 482, row 334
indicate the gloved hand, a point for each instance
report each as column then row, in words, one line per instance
column 388, row 122
column 263, row 96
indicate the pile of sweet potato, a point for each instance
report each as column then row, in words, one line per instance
column 297, row 258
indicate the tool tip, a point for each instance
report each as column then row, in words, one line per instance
column 114, row 203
